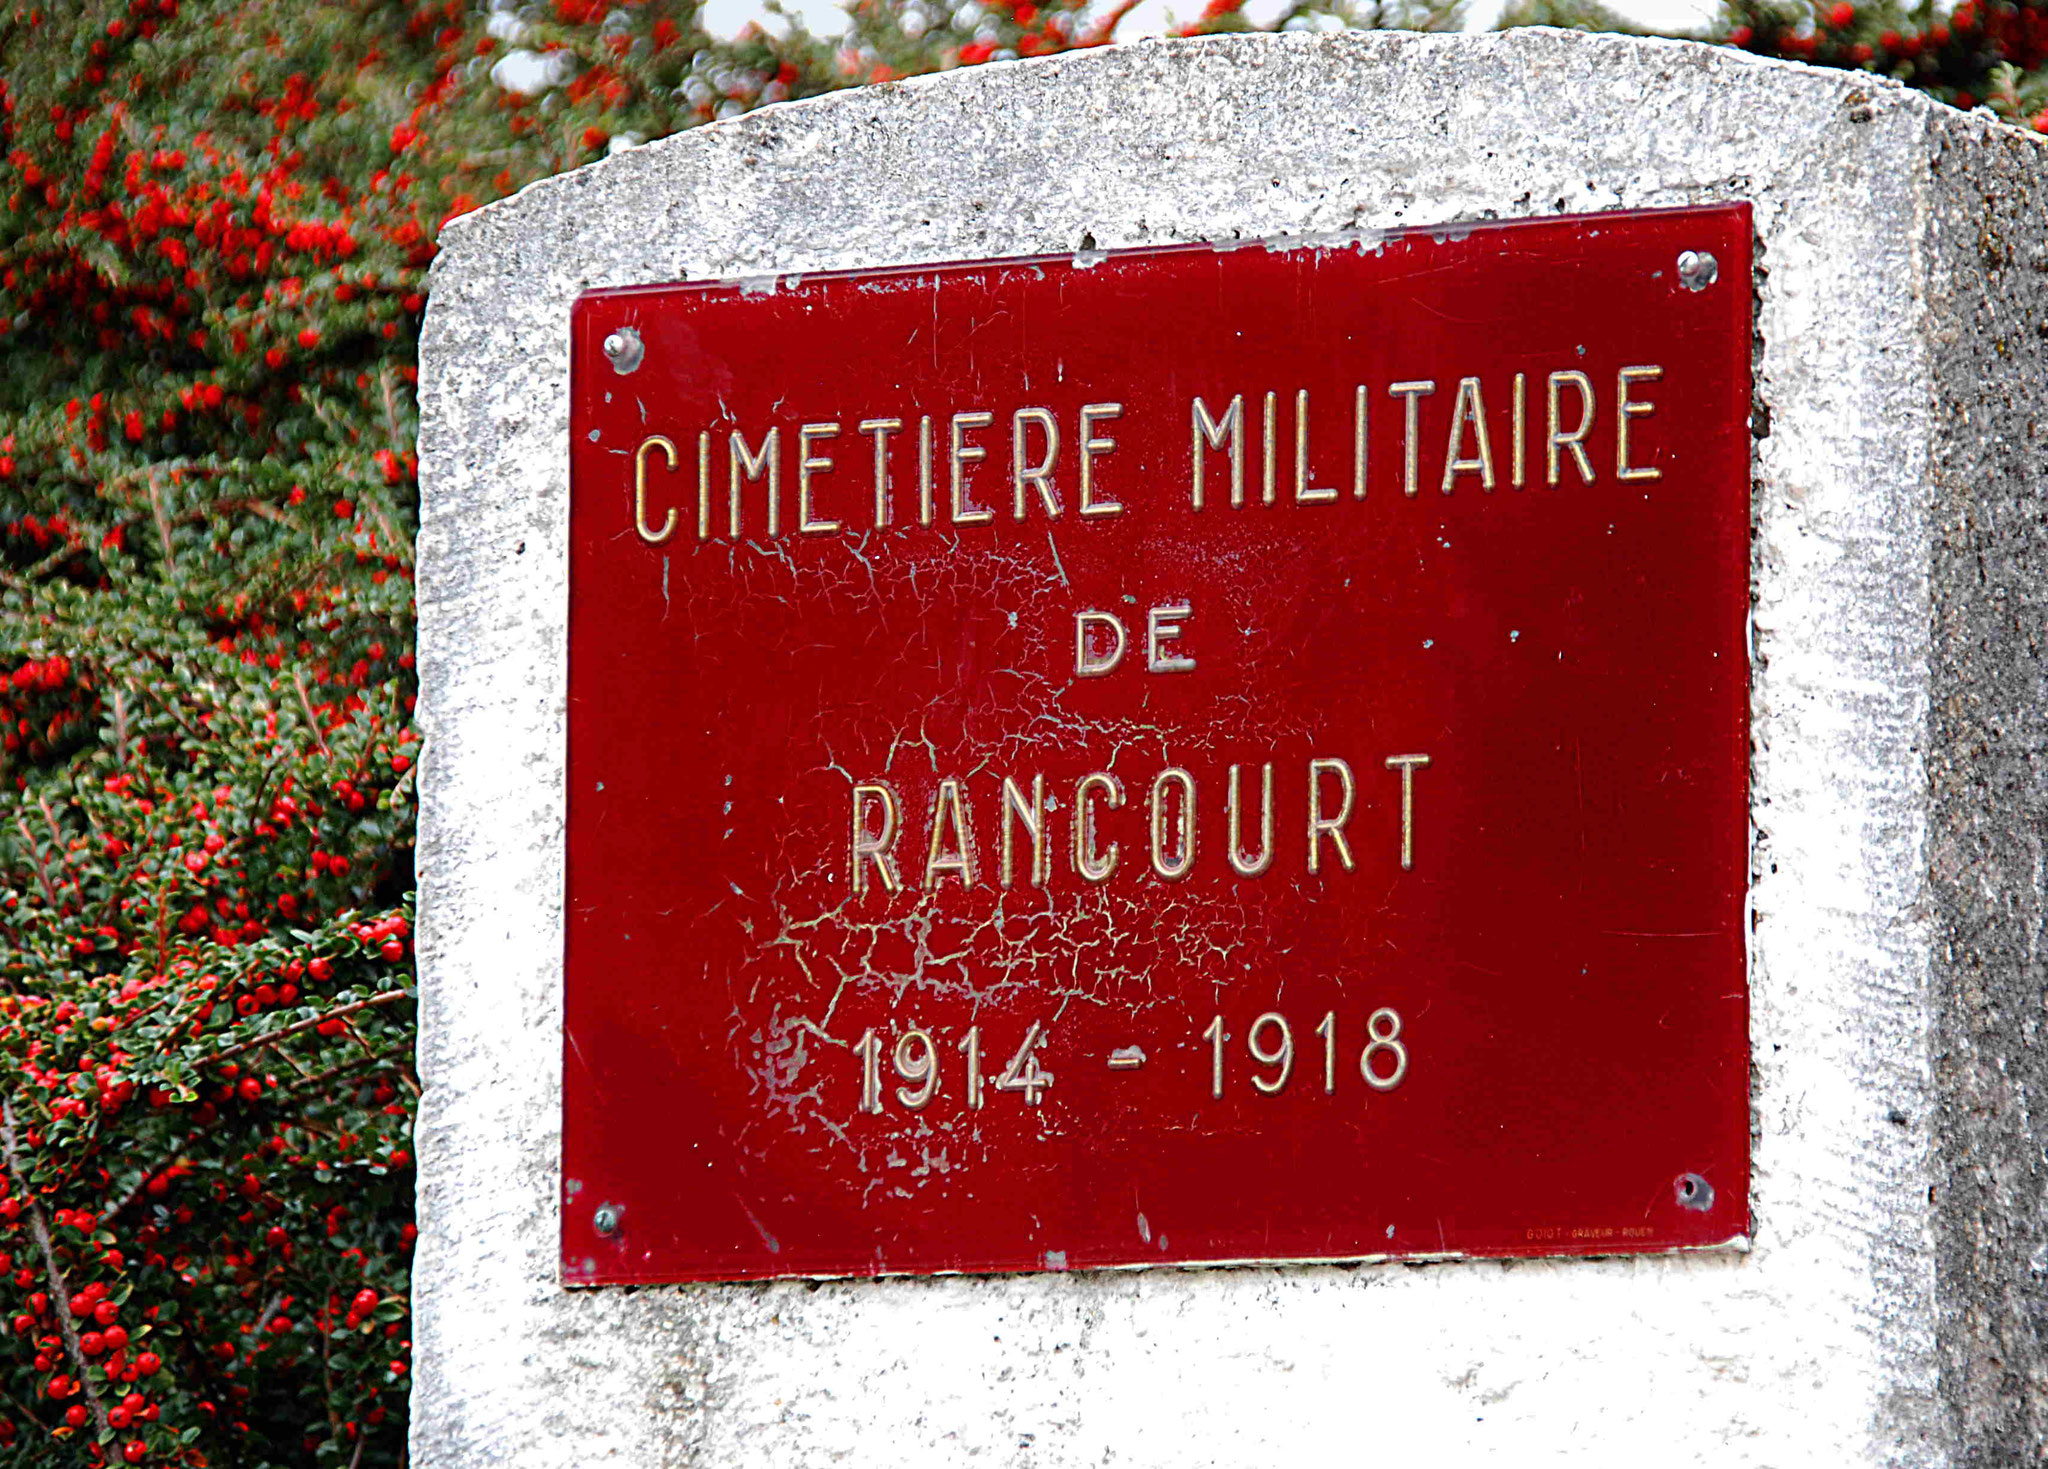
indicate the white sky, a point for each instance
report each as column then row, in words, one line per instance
column 1156, row 17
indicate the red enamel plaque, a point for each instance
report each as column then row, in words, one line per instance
column 1193, row 755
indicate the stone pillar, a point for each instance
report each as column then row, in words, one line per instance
column 1891, row 1310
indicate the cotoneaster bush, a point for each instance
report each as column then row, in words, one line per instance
column 215, row 225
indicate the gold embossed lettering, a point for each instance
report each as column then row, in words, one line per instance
column 875, row 846
column 1575, row 441
column 648, row 533
column 1226, row 432
column 1516, row 477
column 704, row 485
column 1177, row 866
column 951, row 848
column 1039, row 478
column 924, row 470
column 746, row 464
column 1093, row 444
column 1032, row 818
column 1626, row 408
column 1359, row 401
column 1469, row 409
column 962, row 455
column 1162, row 629
column 1304, row 492
column 1091, row 864
column 1411, row 395
column 1321, row 826
column 808, row 464
column 1088, row 663
column 881, row 428
column 1251, row 866
column 1269, row 441
column 1407, row 765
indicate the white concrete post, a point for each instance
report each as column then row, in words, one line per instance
column 1891, row 1309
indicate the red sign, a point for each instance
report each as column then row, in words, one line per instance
column 1203, row 754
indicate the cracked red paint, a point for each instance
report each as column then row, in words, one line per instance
column 1564, row 959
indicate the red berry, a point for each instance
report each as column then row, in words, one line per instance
column 1841, row 14
column 321, row 970
column 309, row 338
column 135, row 1451
column 77, row 1416
column 364, row 1303
column 148, row 1363
column 105, row 1312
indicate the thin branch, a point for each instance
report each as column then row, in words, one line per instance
column 141, row 1183
column 1104, row 30
column 357, row 1036
column 256, row 1337
column 395, row 537
column 299, row 683
column 196, row 737
column 50, row 817
column 304, row 1081
column 36, row 856
column 360, row 1063
column 255, row 506
column 387, row 997
column 163, row 526
column 56, row 832
column 60, row 1293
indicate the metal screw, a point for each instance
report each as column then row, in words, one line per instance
column 1696, row 270
column 625, row 350
column 606, row 1220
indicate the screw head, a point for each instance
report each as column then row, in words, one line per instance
column 1697, row 269
column 624, row 349
column 606, row 1220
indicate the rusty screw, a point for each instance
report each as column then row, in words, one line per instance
column 1696, row 271
column 606, row 1220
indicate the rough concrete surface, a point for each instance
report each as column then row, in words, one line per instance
column 1987, row 249
column 1891, row 1311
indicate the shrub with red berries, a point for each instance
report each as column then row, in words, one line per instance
column 1990, row 53
column 215, row 223
column 1978, row 53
